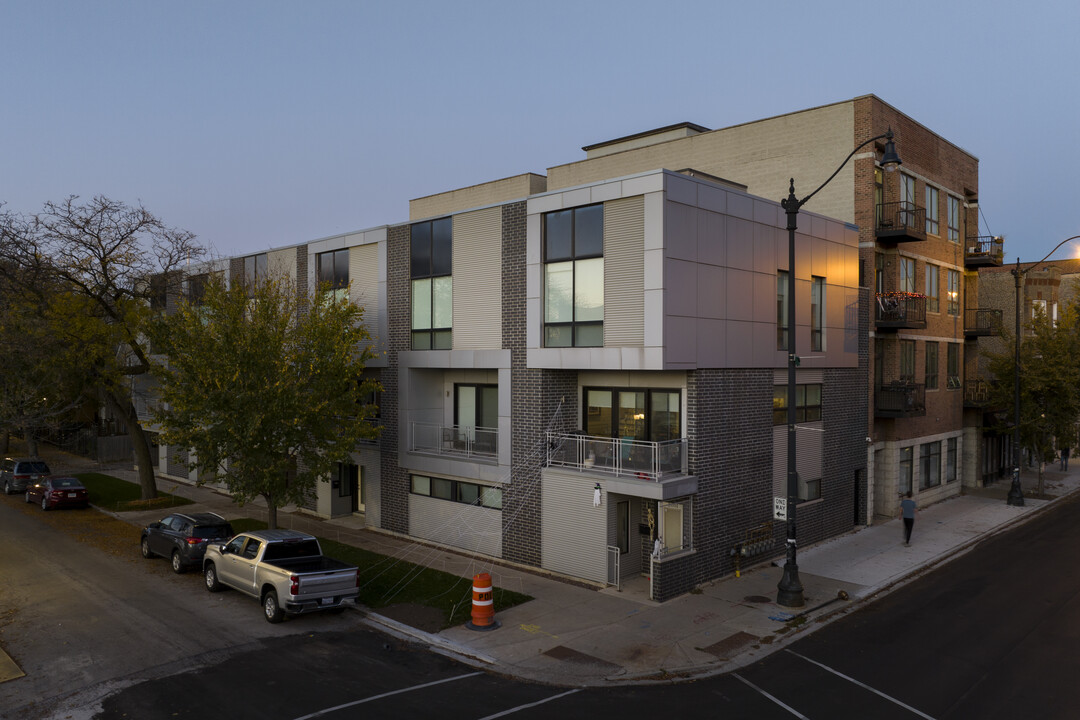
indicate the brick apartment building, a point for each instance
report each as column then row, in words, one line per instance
column 575, row 366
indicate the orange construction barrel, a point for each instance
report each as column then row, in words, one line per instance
column 483, row 604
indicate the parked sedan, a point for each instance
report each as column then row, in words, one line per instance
column 182, row 537
column 55, row 492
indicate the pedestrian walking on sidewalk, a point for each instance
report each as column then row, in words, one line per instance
column 1064, row 458
column 907, row 512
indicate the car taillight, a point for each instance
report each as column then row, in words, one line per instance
column 193, row 540
column 56, row 493
column 295, row 588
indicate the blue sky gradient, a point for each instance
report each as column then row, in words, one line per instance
column 262, row 124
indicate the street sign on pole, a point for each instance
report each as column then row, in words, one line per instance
column 779, row 508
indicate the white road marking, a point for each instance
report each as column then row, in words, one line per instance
column 387, row 694
column 790, row 709
column 862, row 685
column 526, row 707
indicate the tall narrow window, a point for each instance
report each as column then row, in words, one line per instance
column 817, row 314
column 907, row 361
column 333, row 272
column 932, row 272
column 906, row 457
column 931, row 366
column 574, row 277
column 953, row 366
column 907, row 189
column 950, row 460
column 907, row 275
column 954, row 292
column 781, row 310
column 931, row 210
column 255, row 269
column 954, row 219
column 432, row 284
column 930, row 465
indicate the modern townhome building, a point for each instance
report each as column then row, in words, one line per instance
column 586, row 372
column 919, row 257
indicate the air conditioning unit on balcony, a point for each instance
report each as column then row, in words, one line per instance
column 953, row 383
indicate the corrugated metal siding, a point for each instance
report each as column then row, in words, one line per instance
column 574, row 534
column 624, row 272
column 478, row 279
column 364, row 281
column 476, row 529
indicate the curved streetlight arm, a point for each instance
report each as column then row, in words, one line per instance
column 793, row 203
column 1032, row 267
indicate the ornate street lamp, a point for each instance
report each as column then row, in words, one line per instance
column 789, row 589
column 1016, row 493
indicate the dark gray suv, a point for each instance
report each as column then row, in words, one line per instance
column 17, row 473
column 182, row 537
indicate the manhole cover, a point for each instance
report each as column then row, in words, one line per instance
column 758, row 599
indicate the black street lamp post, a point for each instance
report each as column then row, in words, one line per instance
column 1016, row 493
column 789, row 589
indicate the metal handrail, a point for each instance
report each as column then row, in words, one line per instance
column 644, row 459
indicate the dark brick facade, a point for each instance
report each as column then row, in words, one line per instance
column 394, row 498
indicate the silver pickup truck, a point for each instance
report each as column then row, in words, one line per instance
column 284, row 569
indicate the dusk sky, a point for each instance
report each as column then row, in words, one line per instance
column 262, row 124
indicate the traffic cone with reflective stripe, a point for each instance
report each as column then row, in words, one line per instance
column 483, row 604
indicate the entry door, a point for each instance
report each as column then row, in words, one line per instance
column 354, row 487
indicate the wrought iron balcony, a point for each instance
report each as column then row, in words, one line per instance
column 900, row 222
column 982, row 322
column 642, row 459
column 897, row 310
column 984, row 251
column 455, row 440
column 900, row 399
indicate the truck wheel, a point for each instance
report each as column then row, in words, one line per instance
column 271, row 609
column 177, row 563
column 144, row 545
column 210, row 575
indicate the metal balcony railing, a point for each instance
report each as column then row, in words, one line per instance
column 900, row 222
column 459, row 440
column 900, row 310
column 976, row 393
column 643, row 459
column 982, row 322
column 900, row 399
column 986, row 250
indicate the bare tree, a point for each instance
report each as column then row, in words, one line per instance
column 109, row 267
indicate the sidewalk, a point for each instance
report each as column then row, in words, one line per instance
column 574, row 635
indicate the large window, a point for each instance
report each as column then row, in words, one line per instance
column 675, row 531
column 333, row 272
column 196, row 288
column 931, row 366
column 954, row 219
column 930, row 465
column 954, row 293
column 476, row 415
column 931, row 210
column 457, row 491
column 953, row 366
column 574, row 277
column 807, row 403
column 817, row 314
column 932, row 273
column 432, row 284
column 653, row 415
column 781, row 309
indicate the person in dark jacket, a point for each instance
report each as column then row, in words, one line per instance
column 907, row 512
